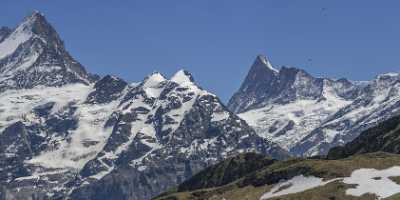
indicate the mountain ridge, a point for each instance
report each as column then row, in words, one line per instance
column 308, row 115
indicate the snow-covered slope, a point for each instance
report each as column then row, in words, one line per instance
column 74, row 140
column 59, row 130
column 308, row 115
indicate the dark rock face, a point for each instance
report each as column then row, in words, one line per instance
column 40, row 60
column 107, row 89
column 15, row 147
column 383, row 137
column 260, row 82
column 264, row 84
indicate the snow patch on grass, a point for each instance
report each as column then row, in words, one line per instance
column 295, row 185
column 367, row 181
column 373, row 181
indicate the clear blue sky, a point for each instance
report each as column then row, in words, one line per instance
column 218, row 40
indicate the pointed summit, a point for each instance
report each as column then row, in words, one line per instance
column 152, row 84
column 33, row 26
column 261, row 79
column 260, row 72
column 262, row 61
column 35, row 15
column 182, row 76
column 33, row 54
column 32, row 21
column 40, row 27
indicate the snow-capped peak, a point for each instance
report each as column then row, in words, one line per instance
column 33, row 54
column 153, row 80
column 182, row 76
column 263, row 59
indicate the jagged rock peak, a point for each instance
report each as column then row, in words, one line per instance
column 260, row 80
column 39, row 26
column 261, row 69
column 35, row 23
column 33, row 54
column 262, row 61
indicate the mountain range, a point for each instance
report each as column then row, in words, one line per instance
column 68, row 134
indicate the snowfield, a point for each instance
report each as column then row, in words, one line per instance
column 295, row 185
column 299, row 118
column 17, row 105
